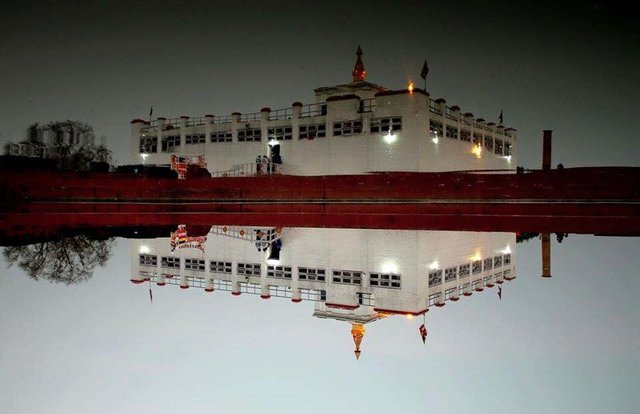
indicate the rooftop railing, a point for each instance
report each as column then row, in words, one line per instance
column 279, row 114
column 314, row 109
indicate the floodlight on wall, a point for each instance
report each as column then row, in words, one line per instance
column 390, row 137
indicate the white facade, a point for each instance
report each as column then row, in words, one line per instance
column 355, row 275
column 345, row 132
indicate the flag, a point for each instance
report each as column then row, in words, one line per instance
column 425, row 70
column 423, row 333
column 151, row 112
column 500, row 119
column 500, row 292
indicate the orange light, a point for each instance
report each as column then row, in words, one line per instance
column 477, row 150
column 410, row 87
column 409, row 316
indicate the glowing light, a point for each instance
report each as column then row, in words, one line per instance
column 409, row 316
column 389, row 267
column 508, row 158
column 477, row 150
column 434, row 139
column 272, row 262
column 390, row 137
column 477, row 256
column 506, row 250
column 272, row 142
column 434, row 265
column 144, row 156
column 144, row 249
column 410, row 87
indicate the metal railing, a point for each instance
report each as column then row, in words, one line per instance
column 278, row 114
column 367, row 105
column 255, row 116
column 314, row 109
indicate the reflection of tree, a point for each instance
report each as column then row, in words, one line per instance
column 70, row 260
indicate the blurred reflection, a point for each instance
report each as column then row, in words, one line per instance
column 357, row 276
column 69, row 260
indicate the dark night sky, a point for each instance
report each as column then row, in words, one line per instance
column 567, row 66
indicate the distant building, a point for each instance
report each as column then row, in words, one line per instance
column 42, row 140
column 356, row 127
column 353, row 275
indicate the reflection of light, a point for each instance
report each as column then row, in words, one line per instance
column 389, row 267
column 144, row 156
column 434, row 265
column 409, row 316
column 506, row 250
column 508, row 157
column 272, row 262
column 477, row 256
column 144, row 249
column 272, row 142
column 390, row 137
column 410, row 87
column 435, row 137
column 477, row 150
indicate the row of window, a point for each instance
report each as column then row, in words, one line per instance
column 464, row 270
column 343, row 128
column 350, row 277
column 479, row 283
column 501, row 147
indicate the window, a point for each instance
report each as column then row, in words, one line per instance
column 220, row 267
column 148, row 260
column 465, row 135
column 194, row 264
column 433, row 298
column 449, row 293
column 435, row 128
column 148, row 144
column 249, row 269
column 280, row 133
column 488, row 143
column 195, row 139
column 477, row 138
column 435, row 278
column 486, row 280
column 313, row 275
column 249, row 135
column 385, row 280
column 170, row 262
column 252, row 288
column 221, row 136
column 366, row 299
column 507, row 148
column 348, row 277
column 498, row 148
column 312, row 131
column 488, row 263
column 497, row 261
column 222, row 284
column 463, row 288
column 383, row 124
column 476, row 267
column 450, row 274
column 452, row 132
column 346, row 128
column 170, row 142
column 465, row 270
column 476, row 284
column 496, row 276
column 507, row 273
column 507, row 259
column 312, row 294
column 280, row 291
column 280, row 272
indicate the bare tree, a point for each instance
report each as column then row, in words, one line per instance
column 70, row 260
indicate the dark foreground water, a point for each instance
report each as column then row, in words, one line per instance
column 565, row 344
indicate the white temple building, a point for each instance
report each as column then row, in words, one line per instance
column 352, row 275
column 352, row 128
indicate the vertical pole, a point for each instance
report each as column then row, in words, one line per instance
column 546, row 150
column 546, row 255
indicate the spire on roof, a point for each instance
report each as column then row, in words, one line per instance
column 359, row 74
column 357, row 332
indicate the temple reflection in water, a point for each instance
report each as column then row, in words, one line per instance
column 353, row 275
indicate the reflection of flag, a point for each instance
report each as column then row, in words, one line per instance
column 423, row 333
column 150, row 295
column 151, row 112
column 500, row 119
column 425, row 70
column 500, row 292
